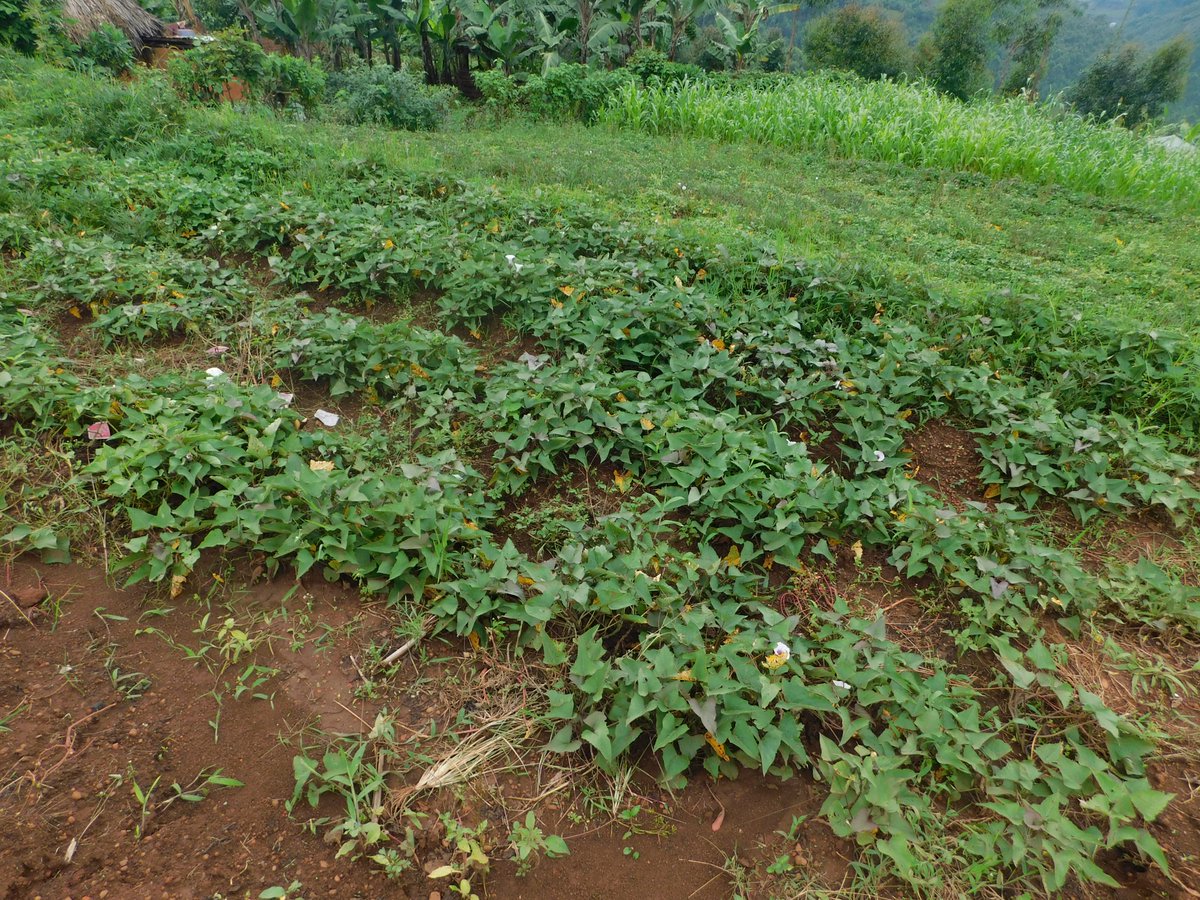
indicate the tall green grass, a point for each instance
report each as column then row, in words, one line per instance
column 914, row 125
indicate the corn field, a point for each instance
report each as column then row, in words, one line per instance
column 914, row 125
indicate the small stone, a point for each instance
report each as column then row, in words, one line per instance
column 435, row 895
column 324, row 864
column 76, row 795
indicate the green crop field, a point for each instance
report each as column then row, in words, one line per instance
column 748, row 451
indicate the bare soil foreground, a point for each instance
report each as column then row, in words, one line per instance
column 110, row 707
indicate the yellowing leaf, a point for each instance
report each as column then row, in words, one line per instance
column 620, row 397
column 718, row 344
column 621, row 479
column 717, row 746
column 567, row 290
column 992, row 492
column 775, row 661
column 647, row 424
column 389, row 244
column 524, row 580
column 685, row 675
column 74, row 310
column 857, row 549
column 557, row 304
column 679, row 282
column 320, row 465
column 418, row 371
column 475, row 333
column 177, row 585
column 474, row 639
column 733, row 557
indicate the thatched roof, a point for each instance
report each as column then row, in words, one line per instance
column 82, row 17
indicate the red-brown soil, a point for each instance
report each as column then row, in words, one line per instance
column 77, row 746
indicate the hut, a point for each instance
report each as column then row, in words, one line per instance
column 82, row 17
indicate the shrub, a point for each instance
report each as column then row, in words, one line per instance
column 380, row 95
column 955, row 52
column 572, row 91
column 205, row 73
column 1128, row 87
column 33, row 26
column 653, row 64
column 498, row 92
column 857, row 39
column 106, row 48
column 290, row 80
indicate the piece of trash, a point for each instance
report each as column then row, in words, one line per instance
column 326, row 418
column 842, row 684
column 719, row 821
column 71, row 848
column 99, row 431
column 214, row 372
column 286, row 397
column 321, row 465
column 217, row 350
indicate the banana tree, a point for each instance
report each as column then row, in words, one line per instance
column 737, row 39
column 739, row 30
column 304, row 24
column 682, row 13
column 553, row 36
column 497, row 35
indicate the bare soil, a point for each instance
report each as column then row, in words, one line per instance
column 78, row 745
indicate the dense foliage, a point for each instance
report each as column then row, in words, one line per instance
column 752, row 412
column 857, row 40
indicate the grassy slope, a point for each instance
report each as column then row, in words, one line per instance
column 963, row 235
